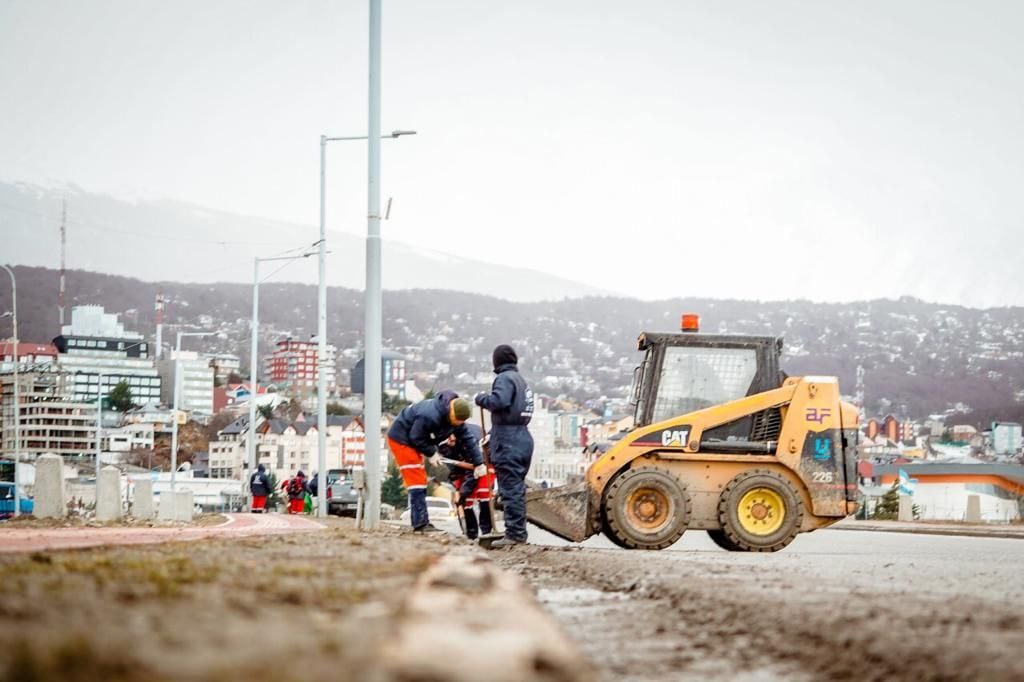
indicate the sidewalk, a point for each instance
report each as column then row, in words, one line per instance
column 77, row 537
column 929, row 528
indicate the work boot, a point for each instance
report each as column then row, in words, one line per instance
column 506, row 542
column 427, row 528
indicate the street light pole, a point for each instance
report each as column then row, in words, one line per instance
column 321, row 374
column 373, row 322
column 250, row 445
column 17, row 395
column 321, row 378
column 177, row 391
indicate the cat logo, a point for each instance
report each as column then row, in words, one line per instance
column 677, row 438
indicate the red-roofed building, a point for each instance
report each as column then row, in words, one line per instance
column 29, row 354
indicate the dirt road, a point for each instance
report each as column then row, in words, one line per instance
column 834, row 605
column 236, row 605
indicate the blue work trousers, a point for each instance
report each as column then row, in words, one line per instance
column 511, row 453
column 418, row 507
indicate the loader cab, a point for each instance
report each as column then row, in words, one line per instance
column 685, row 371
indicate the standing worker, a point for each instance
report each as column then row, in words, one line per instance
column 295, row 487
column 259, row 486
column 511, row 405
column 416, row 433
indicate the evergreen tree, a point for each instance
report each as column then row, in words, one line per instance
column 392, row 490
column 120, row 396
column 888, row 507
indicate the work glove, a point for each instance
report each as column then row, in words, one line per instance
column 435, row 460
column 480, row 471
column 478, row 398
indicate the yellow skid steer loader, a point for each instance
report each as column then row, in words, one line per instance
column 722, row 442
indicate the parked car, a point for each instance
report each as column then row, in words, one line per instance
column 7, row 501
column 342, row 499
column 440, row 510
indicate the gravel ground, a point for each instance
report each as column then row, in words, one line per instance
column 287, row 607
column 834, row 605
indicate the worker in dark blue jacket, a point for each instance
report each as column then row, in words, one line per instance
column 511, row 405
column 416, row 433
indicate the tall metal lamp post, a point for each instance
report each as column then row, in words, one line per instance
column 321, row 375
column 177, row 391
column 250, row 445
column 17, row 395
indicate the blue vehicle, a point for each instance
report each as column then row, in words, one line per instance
column 7, row 501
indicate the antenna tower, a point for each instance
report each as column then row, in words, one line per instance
column 63, row 251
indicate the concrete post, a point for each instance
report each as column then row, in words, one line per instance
column 166, row 508
column 906, row 512
column 49, row 502
column 142, row 507
column 183, row 505
column 973, row 509
column 108, row 494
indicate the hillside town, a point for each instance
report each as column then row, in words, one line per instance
column 99, row 391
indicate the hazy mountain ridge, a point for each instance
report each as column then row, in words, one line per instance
column 163, row 239
column 922, row 357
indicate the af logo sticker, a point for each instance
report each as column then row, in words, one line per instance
column 675, row 438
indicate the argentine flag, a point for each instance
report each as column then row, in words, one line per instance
column 907, row 484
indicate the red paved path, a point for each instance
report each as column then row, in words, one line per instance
column 237, row 525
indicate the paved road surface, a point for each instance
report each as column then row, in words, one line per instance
column 237, row 525
column 833, row 605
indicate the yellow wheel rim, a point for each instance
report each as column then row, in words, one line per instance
column 648, row 509
column 761, row 511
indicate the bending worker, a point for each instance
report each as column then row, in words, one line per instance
column 416, row 433
column 471, row 488
column 511, row 404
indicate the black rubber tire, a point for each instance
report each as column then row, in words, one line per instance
column 728, row 511
column 617, row 525
column 719, row 537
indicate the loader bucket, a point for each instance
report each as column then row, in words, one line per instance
column 564, row 511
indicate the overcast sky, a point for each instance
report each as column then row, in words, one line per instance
column 822, row 150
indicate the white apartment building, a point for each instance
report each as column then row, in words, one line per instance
column 282, row 447
column 97, row 350
column 195, row 381
column 50, row 421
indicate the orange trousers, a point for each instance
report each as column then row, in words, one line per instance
column 410, row 465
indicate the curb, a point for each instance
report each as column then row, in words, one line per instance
column 486, row 625
column 924, row 530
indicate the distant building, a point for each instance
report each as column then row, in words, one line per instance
column 51, row 421
column 942, row 489
column 283, row 447
column 196, row 381
column 294, row 365
column 224, row 365
column 1006, row 438
column 963, row 433
column 392, row 373
column 95, row 347
column 38, row 356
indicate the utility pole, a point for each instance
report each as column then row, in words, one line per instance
column 321, row 354
column 17, row 394
column 374, row 320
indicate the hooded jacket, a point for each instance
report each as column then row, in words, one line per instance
column 424, row 425
column 259, row 484
column 510, row 400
